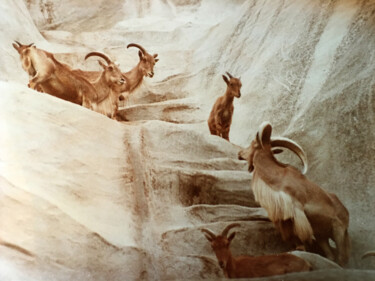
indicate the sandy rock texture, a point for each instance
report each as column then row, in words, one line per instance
column 84, row 197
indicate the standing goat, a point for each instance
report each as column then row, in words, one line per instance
column 108, row 86
column 250, row 266
column 300, row 209
column 134, row 77
column 144, row 68
column 53, row 77
column 50, row 76
column 221, row 114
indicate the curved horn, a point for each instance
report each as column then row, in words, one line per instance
column 229, row 75
column 293, row 146
column 229, row 227
column 103, row 56
column 137, row 46
column 210, row 233
column 368, row 254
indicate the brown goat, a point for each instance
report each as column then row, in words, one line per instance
column 221, row 114
column 250, row 266
column 108, row 85
column 300, row 209
column 50, row 76
column 134, row 77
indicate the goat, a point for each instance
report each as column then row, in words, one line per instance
column 300, row 209
column 108, row 85
column 50, row 76
column 221, row 114
column 368, row 254
column 134, row 77
column 251, row 266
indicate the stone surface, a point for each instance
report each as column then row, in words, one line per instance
column 83, row 197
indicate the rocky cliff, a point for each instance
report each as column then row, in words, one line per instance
column 84, row 197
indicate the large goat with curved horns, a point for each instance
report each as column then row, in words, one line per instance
column 251, row 266
column 134, row 77
column 300, row 209
column 108, row 86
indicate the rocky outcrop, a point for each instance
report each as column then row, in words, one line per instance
column 84, row 197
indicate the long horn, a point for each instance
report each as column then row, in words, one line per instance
column 229, row 75
column 19, row 44
column 229, row 227
column 210, row 233
column 368, row 254
column 293, row 146
column 138, row 46
column 103, row 56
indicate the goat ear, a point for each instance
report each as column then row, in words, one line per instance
column 208, row 237
column 225, row 79
column 265, row 135
column 257, row 138
column 140, row 54
column 230, row 238
column 155, row 55
column 156, row 60
column 16, row 47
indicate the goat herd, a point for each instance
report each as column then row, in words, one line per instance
column 97, row 90
column 303, row 213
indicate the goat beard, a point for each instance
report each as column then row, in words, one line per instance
column 280, row 206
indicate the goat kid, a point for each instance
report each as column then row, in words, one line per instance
column 250, row 266
column 301, row 210
column 220, row 118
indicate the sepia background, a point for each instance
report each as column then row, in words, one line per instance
column 84, row 197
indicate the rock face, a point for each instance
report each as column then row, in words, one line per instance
column 84, row 197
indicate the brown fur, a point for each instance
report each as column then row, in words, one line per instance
column 108, row 85
column 134, row 77
column 55, row 78
column 220, row 118
column 250, row 266
column 300, row 209
column 49, row 75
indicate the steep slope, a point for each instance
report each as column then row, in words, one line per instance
column 87, row 198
